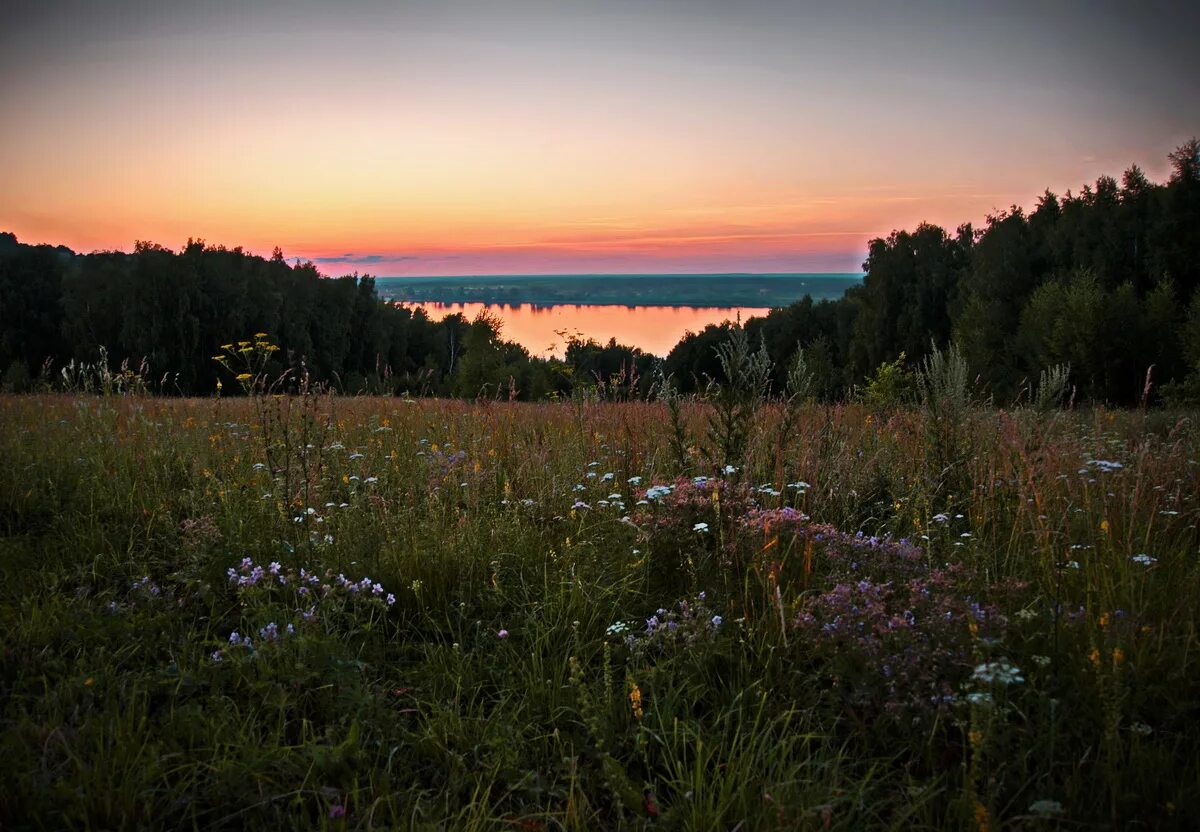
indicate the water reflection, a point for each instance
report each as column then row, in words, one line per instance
column 655, row 329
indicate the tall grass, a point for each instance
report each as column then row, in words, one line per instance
column 514, row 682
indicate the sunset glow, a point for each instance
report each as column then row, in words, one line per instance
column 457, row 138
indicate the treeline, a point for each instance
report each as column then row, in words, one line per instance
column 1103, row 281
column 164, row 315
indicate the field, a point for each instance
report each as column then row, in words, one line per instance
column 375, row 613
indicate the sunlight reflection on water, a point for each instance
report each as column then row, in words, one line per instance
column 543, row 329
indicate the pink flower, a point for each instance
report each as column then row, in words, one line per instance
column 337, row 811
column 502, row 634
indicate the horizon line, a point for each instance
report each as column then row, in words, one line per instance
column 608, row 274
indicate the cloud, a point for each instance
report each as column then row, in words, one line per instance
column 363, row 259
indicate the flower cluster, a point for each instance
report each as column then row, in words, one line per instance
column 834, row 553
column 903, row 646
column 307, row 592
column 248, row 575
column 686, row 624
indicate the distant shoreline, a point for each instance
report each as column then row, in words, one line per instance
column 713, row 291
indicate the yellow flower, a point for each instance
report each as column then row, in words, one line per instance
column 243, row 377
column 260, row 335
column 88, row 681
column 1104, row 526
column 635, row 701
column 227, row 346
column 218, row 358
column 1094, row 656
column 983, row 820
column 1118, row 656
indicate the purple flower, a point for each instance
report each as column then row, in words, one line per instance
column 337, row 812
column 502, row 634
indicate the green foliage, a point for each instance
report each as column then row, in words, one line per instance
column 943, row 380
column 746, row 375
column 1053, row 387
column 890, row 386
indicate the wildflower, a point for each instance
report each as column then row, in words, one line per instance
column 243, row 377
column 217, row 657
column 635, row 700
column 716, row 621
column 1094, row 656
column 1046, row 808
column 700, row 527
column 1141, row 728
column 337, row 812
column 391, row 599
column 1144, row 559
column 1118, row 656
column 502, row 634
column 983, row 819
column 1001, row 672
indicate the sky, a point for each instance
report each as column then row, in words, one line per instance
column 412, row 138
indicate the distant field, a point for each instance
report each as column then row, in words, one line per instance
column 698, row 290
column 357, row 613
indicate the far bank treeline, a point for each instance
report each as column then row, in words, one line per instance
column 1103, row 280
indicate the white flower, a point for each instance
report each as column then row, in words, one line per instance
column 700, row 527
column 1001, row 672
column 1144, row 559
column 1046, row 808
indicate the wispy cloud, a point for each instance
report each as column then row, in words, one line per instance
column 362, row 259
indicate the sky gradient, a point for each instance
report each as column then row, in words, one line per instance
column 560, row 137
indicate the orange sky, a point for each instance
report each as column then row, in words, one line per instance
column 559, row 137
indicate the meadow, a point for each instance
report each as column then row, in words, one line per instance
column 351, row 612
